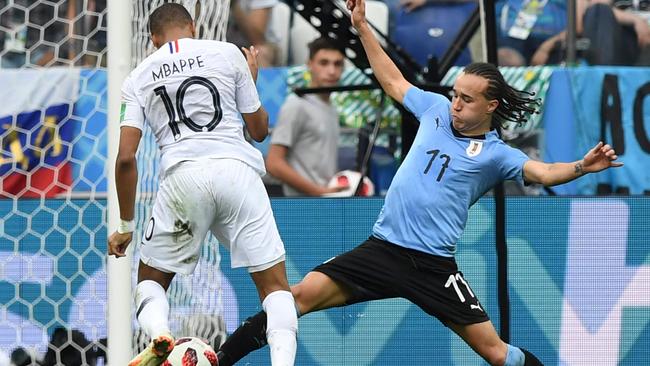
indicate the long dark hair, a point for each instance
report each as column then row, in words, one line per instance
column 514, row 105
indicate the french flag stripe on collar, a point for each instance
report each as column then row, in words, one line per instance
column 173, row 47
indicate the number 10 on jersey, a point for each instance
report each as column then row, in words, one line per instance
column 179, row 109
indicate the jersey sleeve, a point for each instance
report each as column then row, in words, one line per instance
column 288, row 127
column 418, row 101
column 511, row 163
column 246, row 97
column 131, row 111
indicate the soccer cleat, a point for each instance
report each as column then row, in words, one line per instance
column 156, row 353
column 530, row 359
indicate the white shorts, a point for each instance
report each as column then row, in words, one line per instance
column 225, row 196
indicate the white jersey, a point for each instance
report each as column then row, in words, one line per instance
column 191, row 92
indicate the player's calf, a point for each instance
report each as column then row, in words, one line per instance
column 281, row 327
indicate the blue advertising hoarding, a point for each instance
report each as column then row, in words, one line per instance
column 579, row 280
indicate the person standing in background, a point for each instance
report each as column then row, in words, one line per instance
column 304, row 143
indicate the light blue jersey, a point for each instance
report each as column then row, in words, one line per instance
column 443, row 174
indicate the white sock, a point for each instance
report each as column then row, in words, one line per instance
column 281, row 327
column 152, row 308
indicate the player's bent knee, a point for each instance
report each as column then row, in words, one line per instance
column 307, row 297
column 317, row 291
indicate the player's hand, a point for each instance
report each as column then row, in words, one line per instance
column 251, row 58
column 358, row 9
column 600, row 158
column 336, row 189
column 411, row 5
column 341, row 184
column 117, row 244
column 324, row 190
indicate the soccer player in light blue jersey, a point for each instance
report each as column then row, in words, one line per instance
column 456, row 157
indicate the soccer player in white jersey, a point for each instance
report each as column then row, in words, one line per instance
column 191, row 94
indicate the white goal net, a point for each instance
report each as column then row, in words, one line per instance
column 53, row 164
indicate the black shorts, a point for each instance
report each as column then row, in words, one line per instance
column 377, row 269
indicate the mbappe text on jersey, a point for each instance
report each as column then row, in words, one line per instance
column 178, row 66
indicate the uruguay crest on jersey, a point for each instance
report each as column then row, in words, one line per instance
column 474, row 148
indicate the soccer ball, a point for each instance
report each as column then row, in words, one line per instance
column 190, row 351
column 351, row 179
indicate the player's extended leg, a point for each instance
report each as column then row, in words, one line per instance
column 315, row 292
column 485, row 341
column 152, row 312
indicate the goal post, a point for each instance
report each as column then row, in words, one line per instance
column 119, row 271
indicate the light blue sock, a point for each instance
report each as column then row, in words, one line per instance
column 514, row 357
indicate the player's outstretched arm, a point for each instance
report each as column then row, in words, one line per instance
column 599, row 158
column 126, row 180
column 386, row 72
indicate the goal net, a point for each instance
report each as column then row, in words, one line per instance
column 52, row 203
column 53, row 164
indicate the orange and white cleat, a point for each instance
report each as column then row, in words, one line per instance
column 156, row 353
